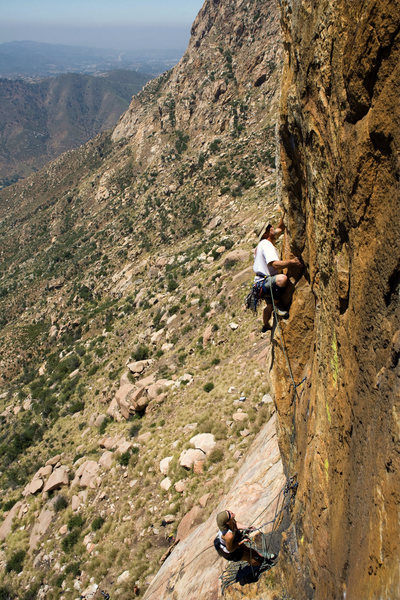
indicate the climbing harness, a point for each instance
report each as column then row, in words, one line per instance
column 258, row 292
column 241, row 571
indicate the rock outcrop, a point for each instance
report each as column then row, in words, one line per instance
column 340, row 135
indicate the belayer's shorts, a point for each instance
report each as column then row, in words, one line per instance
column 236, row 555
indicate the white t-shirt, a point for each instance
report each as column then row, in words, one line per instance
column 265, row 254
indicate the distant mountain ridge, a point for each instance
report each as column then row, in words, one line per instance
column 41, row 120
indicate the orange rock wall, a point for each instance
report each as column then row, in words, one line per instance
column 340, row 138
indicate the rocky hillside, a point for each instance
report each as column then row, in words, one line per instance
column 41, row 120
column 136, row 394
column 124, row 268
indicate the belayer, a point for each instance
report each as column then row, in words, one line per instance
column 268, row 274
column 230, row 541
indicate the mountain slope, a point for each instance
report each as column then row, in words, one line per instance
column 41, row 120
column 137, row 246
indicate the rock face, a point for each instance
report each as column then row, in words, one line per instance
column 340, row 132
column 192, row 569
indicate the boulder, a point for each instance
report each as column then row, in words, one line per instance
column 141, row 403
column 191, row 520
column 41, row 526
column 204, row 441
column 138, row 367
column 123, row 446
column 86, row 474
column 189, row 457
column 106, row 460
column 54, row 460
column 33, row 487
column 207, row 334
column 240, row 416
column 75, row 502
column 124, row 399
column 8, row 521
column 236, row 256
column 156, row 388
column 204, row 500
column 143, row 438
column 166, row 484
column 267, row 399
column 57, row 479
column 146, row 381
column 113, row 410
column 164, row 464
column 169, row 519
column 180, row 486
column 123, row 577
column 99, row 420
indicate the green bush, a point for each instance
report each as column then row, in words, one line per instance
column 134, row 430
column 208, row 387
column 73, row 569
column 70, row 540
column 9, row 504
column 97, row 523
column 60, row 503
column 172, row 285
column 75, row 521
column 16, row 562
column 141, row 352
column 216, row 455
column 5, row 593
column 76, row 406
column 104, row 425
column 124, row 458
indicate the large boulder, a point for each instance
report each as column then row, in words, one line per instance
column 164, row 464
column 86, row 475
column 124, row 399
column 189, row 457
column 106, row 460
column 33, row 487
column 136, row 368
column 41, row 526
column 57, row 479
column 204, row 442
column 236, row 256
column 8, row 521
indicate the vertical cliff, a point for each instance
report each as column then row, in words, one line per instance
column 340, row 431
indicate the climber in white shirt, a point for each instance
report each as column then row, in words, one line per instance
column 268, row 273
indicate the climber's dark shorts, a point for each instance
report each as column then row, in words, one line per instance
column 264, row 285
column 236, row 555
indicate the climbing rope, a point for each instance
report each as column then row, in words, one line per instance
column 284, row 349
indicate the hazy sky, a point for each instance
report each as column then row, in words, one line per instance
column 121, row 24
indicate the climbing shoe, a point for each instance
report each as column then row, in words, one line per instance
column 284, row 314
column 266, row 328
column 271, row 556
